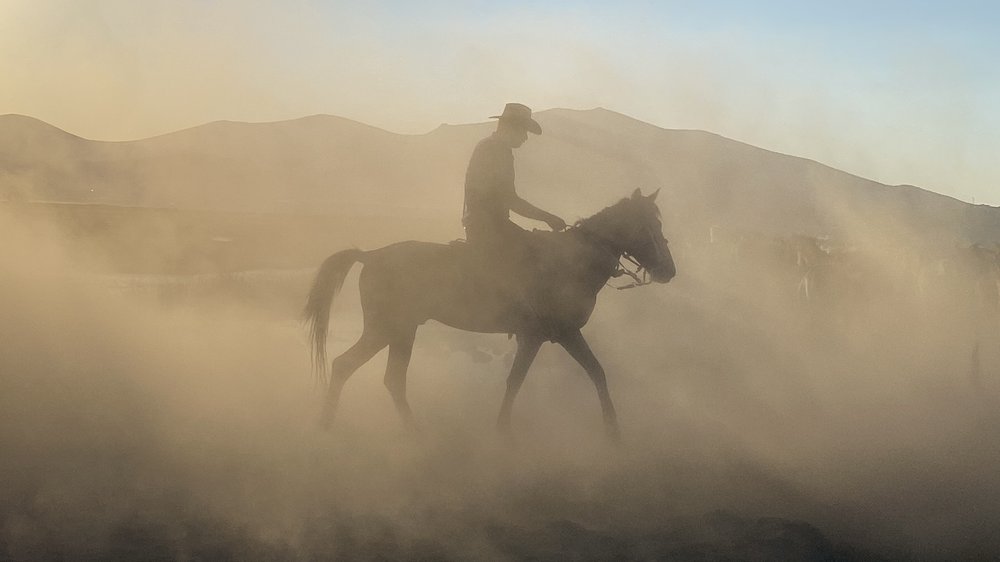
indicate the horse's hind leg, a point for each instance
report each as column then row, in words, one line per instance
column 344, row 366
column 400, row 351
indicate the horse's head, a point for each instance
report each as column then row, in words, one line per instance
column 642, row 236
column 632, row 227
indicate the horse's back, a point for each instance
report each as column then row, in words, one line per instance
column 415, row 254
column 410, row 282
column 421, row 265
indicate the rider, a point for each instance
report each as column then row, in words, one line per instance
column 489, row 185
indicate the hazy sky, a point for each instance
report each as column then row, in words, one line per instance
column 899, row 92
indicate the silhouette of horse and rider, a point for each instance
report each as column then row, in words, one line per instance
column 538, row 286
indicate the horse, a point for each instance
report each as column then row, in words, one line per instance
column 405, row 284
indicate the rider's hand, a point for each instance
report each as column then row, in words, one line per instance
column 556, row 223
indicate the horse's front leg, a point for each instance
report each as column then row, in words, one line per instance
column 579, row 350
column 527, row 349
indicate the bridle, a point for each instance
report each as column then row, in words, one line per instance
column 637, row 272
column 640, row 276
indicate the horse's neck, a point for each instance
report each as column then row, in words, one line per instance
column 603, row 231
column 596, row 254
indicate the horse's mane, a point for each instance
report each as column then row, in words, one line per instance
column 601, row 219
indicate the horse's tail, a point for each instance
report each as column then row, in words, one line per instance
column 329, row 280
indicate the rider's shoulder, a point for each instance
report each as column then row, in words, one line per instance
column 492, row 144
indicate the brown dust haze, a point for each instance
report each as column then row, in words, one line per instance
column 810, row 386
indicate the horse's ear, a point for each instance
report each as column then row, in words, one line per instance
column 652, row 196
column 636, row 194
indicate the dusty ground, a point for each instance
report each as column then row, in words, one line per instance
column 173, row 418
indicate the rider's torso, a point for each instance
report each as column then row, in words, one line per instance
column 489, row 184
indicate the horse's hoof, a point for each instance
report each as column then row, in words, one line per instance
column 614, row 435
column 504, row 431
column 412, row 429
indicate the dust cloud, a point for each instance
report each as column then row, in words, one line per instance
column 781, row 398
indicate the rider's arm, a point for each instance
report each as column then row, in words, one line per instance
column 529, row 211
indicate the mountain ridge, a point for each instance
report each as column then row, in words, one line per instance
column 584, row 160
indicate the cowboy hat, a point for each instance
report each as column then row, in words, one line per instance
column 520, row 115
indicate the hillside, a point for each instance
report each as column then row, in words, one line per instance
column 584, row 160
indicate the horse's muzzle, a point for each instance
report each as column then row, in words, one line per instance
column 663, row 274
